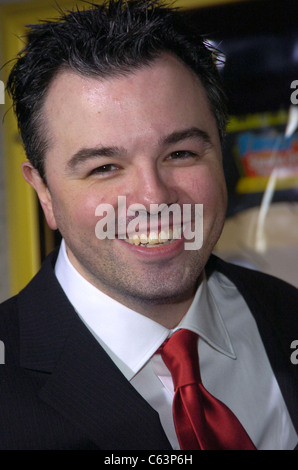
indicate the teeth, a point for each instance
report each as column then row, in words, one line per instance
column 136, row 240
column 143, row 238
column 163, row 237
column 154, row 238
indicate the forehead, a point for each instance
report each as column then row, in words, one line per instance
column 155, row 97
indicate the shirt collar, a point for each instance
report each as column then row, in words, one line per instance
column 204, row 318
column 127, row 336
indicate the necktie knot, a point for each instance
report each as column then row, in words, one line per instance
column 177, row 354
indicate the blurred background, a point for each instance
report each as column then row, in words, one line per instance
column 258, row 40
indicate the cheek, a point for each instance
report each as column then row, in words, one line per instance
column 75, row 209
column 208, row 188
column 87, row 215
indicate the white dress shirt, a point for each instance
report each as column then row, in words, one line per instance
column 233, row 362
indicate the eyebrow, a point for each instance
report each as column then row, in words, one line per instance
column 191, row 133
column 85, row 154
column 89, row 153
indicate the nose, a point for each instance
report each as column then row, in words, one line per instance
column 153, row 186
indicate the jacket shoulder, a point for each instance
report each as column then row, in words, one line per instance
column 268, row 297
column 9, row 331
column 250, row 277
column 20, row 308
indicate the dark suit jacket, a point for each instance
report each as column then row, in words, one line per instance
column 60, row 390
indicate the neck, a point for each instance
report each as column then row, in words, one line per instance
column 166, row 311
column 169, row 314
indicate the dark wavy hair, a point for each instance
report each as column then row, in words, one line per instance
column 104, row 40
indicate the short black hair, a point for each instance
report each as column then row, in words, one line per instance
column 104, row 40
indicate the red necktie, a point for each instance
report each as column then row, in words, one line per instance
column 202, row 422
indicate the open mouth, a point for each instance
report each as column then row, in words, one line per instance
column 154, row 239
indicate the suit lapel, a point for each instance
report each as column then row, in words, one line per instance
column 88, row 389
column 84, row 385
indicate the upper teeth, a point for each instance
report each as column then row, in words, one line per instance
column 154, row 238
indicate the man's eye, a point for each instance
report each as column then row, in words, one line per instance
column 181, row 155
column 104, row 169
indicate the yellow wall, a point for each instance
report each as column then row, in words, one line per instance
column 22, row 208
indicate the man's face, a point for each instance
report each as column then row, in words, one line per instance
column 151, row 137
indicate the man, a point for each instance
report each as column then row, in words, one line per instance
column 124, row 100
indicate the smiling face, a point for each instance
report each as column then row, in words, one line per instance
column 149, row 136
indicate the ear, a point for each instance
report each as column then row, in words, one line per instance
column 33, row 177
